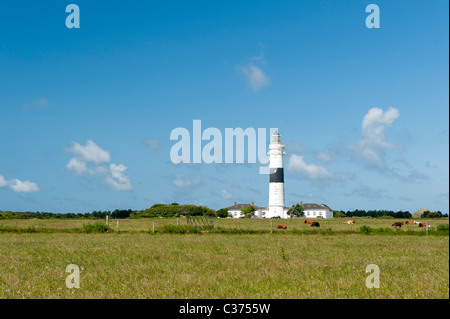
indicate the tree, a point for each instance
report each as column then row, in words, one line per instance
column 428, row 214
column 248, row 211
column 296, row 210
column 223, row 212
column 120, row 214
column 338, row 214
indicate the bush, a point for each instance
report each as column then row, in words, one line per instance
column 12, row 215
column 223, row 213
column 429, row 214
column 365, row 229
column 8, row 229
column 171, row 229
column 442, row 228
column 248, row 212
column 97, row 227
column 221, row 230
column 162, row 210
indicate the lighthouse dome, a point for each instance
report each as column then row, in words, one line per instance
column 276, row 138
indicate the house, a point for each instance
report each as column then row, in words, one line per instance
column 317, row 211
column 310, row 210
column 235, row 210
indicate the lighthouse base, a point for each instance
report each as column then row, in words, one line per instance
column 277, row 211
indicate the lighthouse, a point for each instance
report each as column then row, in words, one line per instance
column 276, row 184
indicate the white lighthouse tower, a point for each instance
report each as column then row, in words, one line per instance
column 276, row 185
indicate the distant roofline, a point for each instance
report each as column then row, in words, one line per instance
column 315, row 206
column 240, row 206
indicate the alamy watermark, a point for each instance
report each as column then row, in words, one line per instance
column 373, row 19
column 73, row 19
column 220, row 148
column 373, row 280
column 73, row 280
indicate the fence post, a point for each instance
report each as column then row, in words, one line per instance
column 117, row 225
column 178, row 222
column 427, row 228
column 107, row 221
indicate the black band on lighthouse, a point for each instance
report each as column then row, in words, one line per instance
column 276, row 175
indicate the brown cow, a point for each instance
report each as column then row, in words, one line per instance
column 397, row 224
column 349, row 222
column 308, row 222
column 283, row 226
column 423, row 224
column 315, row 224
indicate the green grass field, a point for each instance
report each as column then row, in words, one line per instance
column 142, row 265
column 146, row 224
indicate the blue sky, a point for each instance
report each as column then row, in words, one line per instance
column 87, row 113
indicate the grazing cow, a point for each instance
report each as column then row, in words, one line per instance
column 308, row 222
column 350, row 222
column 423, row 224
column 397, row 224
column 410, row 222
column 283, row 226
column 315, row 224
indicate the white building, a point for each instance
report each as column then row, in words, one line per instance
column 317, row 211
column 260, row 212
column 235, row 210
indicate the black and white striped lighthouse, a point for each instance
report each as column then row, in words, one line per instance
column 276, row 184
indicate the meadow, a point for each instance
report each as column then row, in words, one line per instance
column 145, row 224
column 135, row 263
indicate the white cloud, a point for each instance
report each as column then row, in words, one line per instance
column 152, row 143
column 118, row 180
column 3, row 181
column 296, row 164
column 372, row 144
column 324, row 157
column 76, row 165
column 38, row 104
column 375, row 121
column 41, row 102
column 292, row 147
column 255, row 76
column 253, row 71
column 225, row 194
column 91, row 152
column 18, row 186
column 23, row 187
column 181, row 182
